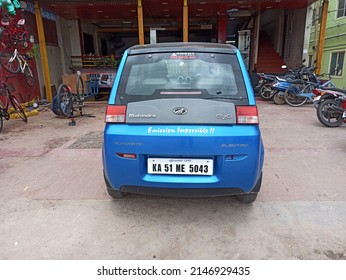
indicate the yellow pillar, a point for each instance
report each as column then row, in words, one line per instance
column 321, row 36
column 43, row 51
column 185, row 22
column 140, row 22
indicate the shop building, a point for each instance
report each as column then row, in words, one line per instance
column 92, row 35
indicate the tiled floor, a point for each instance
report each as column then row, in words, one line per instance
column 53, row 202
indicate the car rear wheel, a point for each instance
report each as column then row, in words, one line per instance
column 113, row 192
column 251, row 197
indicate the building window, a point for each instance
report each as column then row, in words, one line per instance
column 341, row 8
column 337, row 63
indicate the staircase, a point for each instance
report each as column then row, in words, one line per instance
column 268, row 60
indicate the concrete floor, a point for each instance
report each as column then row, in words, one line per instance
column 53, row 202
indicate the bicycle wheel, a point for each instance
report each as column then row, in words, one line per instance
column 292, row 95
column 19, row 110
column 65, row 102
column 10, row 63
column 80, row 90
column 29, row 76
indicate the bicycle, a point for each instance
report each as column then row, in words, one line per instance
column 6, row 94
column 15, row 63
column 298, row 94
column 11, row 34
column 68, row 101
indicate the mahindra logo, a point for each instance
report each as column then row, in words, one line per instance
column 180, row 111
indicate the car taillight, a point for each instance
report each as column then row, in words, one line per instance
column 247, row 115
column 115, row 114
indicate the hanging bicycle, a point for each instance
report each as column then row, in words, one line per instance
column 17, row 63
column 13, row 33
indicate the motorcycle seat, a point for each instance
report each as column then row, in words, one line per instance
column 339, row 90
column 295, row 81
column 334, row 89
column 280, row 79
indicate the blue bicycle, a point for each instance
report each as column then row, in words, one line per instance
column 298, row 94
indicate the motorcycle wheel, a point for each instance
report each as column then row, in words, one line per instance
column 327, row 115
column 278, row 98
column 266, row 92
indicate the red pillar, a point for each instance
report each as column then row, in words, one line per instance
column 221, row 30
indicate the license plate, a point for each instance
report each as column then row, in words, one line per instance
column 180, row 166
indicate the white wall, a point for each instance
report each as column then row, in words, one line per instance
column 55, row 68
column 59, row 58
column 74, row 37
column 297, row 43
column 308, row 25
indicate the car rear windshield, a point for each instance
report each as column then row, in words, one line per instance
column 182, row 75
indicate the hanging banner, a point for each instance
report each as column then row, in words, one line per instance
column 45, row 14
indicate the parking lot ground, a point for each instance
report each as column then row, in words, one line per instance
column 54, row 205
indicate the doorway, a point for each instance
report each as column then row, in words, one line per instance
column 88, row 43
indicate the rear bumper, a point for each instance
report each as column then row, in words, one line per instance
column 237, row 152
column 182, row 192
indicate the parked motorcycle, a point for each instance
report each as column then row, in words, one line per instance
column 266, row 81
column 297, row 92
column 331, row 106
column 266, row 91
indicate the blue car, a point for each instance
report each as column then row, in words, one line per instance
column 182, row 121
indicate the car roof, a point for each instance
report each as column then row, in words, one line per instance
column 182, row 47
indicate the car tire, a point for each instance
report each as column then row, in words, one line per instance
column 113, row 192
column 251, row 197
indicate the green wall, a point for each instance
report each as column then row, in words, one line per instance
column 335, row 40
